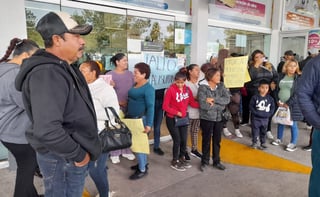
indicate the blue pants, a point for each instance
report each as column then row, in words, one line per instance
column 259, row 129
column 294, row 132
column 142, row 157
column 314, row 189
column 61, row 178
column 99, row 174
column 158, row 116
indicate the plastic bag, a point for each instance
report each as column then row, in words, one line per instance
column 282, row 116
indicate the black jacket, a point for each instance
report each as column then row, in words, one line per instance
column 59, row 104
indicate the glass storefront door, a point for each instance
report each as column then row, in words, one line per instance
column 237, row 41
column 295, row 41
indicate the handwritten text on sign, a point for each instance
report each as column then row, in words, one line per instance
column 163, row 70
column 236, row 72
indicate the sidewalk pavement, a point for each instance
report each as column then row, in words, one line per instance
column 235, row 181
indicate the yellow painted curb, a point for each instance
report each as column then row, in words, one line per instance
column 236, row 153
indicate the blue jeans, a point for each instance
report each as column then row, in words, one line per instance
column 99, row 174
column 61, row 178
column 158, row 116
column 142, row 157
column 294, row 132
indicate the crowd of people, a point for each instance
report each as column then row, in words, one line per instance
column 57, row 110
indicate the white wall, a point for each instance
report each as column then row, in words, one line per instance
column 12, row 22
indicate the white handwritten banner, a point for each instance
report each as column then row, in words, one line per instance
column 235, row 71
column 163, row 70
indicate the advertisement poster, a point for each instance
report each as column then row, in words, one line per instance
column 300, row 14
column 254, row 12
column 314, row 40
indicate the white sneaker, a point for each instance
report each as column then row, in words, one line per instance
column 110, row 194
column 277, row 142
column 226, row 132
column 291, row 147
column 115, row 159
column 238, row 133
column 129, row 156
column 269, row 135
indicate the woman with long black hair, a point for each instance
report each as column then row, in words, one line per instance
column 13, row 118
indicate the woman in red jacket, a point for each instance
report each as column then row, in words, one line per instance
column 176, row 101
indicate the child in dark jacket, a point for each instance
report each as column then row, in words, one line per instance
column 176, row 101
column 262, row 107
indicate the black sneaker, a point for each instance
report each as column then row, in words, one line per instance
column 254, row 145
column 262, row 147
column 196, row 154
column 158, row 151
column 307, row 148
column 186, row 164
column 37, row 172
column 177, row 166
column 138, row 174
column 219, row 166
column 187, row 157
column 203, row 167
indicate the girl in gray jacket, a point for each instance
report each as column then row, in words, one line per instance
column 13, row 117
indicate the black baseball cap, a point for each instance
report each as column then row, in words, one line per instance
column 57, row 23
column 289, row 53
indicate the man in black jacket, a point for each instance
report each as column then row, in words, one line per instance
column 58, row 102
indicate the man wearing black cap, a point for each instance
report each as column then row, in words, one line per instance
column 58, row 102
column 288, row 55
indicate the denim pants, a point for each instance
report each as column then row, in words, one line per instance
column 314, row 189
column 142, row 157
column 61, row 178
column 158, row 116
column 294, row 132
column 179, row 137
column 99, row 174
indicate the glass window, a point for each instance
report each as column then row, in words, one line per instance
column 34, row 11
column 170, row 5
column 108, row 36
column 237, row 41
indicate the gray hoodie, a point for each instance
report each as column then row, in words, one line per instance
column 13, row 118
column 221, row 98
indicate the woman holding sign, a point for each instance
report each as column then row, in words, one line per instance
column 141, row 99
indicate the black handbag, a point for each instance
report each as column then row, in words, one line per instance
column 115, row 137
column 179, row 122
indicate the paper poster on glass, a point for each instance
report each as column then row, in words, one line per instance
column 300, row 14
